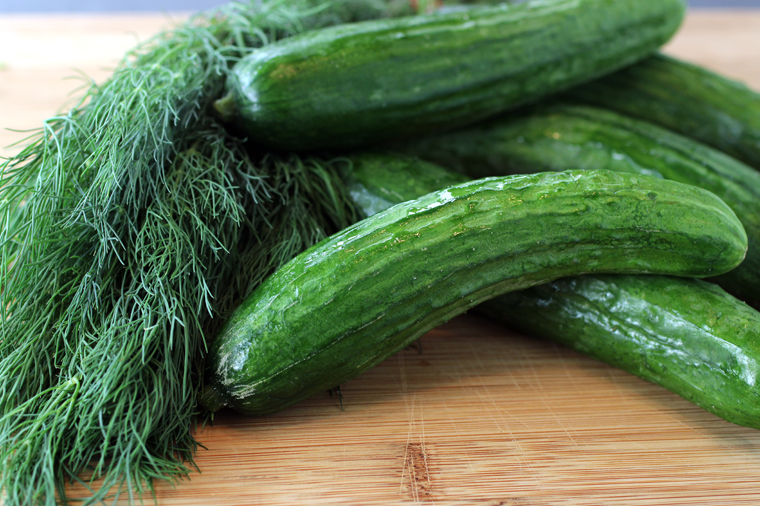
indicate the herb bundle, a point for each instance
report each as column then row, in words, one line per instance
column 130, row 226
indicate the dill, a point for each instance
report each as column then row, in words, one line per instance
column 130, row 224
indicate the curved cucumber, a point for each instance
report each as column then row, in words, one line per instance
column 605, row 316
column 561, row 137
column 686, row 335
column 687, row 99
column 362, row 294
column 363, row 83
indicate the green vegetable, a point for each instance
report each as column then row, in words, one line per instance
column 687, row 335
column 687, row 99
column 562, row 137
column 368, row 82
column 378, row 181
column 366, row 292
column 127, row 224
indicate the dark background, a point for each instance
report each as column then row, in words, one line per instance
column 196, row 5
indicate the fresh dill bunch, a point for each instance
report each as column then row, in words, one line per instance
column 130, row 224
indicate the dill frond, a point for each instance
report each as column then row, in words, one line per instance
column 131, row 224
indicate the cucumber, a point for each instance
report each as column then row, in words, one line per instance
column 561, row 137
column 686, row 335
column 363, row 83
column 362, row 294
column 377, row 181
column 685, row 98
column 598, row 314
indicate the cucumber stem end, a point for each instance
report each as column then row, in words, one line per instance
column 212, row 399
column 225, row 107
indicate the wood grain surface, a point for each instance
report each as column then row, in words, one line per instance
column 482, row 415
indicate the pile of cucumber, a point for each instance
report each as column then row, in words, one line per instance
column 536, row 161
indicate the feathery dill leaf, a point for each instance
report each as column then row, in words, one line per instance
column 129, row 224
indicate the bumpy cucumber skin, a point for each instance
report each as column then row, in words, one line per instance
column 562, row 136
column 359, row 296
column 363, row 83
column 686, row 335
column 684, row 98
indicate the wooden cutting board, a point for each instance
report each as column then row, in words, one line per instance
column 482, row 415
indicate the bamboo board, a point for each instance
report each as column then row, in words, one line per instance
column 482, row 416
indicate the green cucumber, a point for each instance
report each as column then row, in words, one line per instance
column 377, row 181
column 561, row 137
column 686, row 335
column 363, row 83
column 685, row 98
column 362, row 294
column 601, row 315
